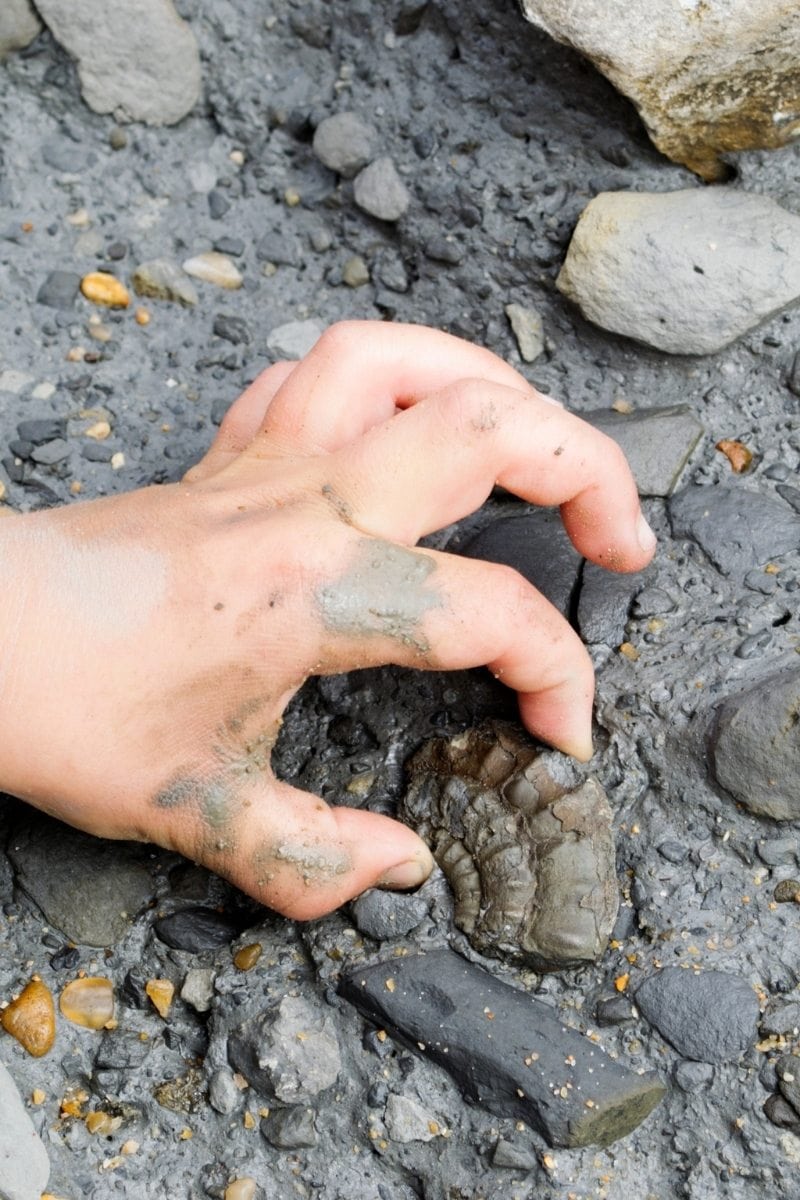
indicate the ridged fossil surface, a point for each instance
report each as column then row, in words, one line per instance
column 531, row 863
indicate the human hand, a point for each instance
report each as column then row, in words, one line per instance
column 153, row 640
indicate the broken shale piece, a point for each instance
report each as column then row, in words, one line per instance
column 506, row 1051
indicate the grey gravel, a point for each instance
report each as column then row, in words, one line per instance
column 528, row 329
column 344, row 143
column 385, row 915
column 782, row 1021
column 198, row 988
column 407, row 1120
column 294, row 339
column 380, row 191
column 50, row 453
column 136, row 59
column 657, row 443
column 710, row 1016
column 282, row 1065
column 736, row 527
column 686, row 272
column 59, row 289
column 290, row 1128
column 755, row 748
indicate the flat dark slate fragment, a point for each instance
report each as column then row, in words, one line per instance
column 604, row 604
column 195, row 930
column 710, row 1017
column 39, row 430
column 737, row 529
column 232, row 329
column 657, row 442
column 536, row 545
column 505, row 1050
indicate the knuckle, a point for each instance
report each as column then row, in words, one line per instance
column 340, row 338
column 473, row 406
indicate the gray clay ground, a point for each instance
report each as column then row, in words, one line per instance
column 500, row 138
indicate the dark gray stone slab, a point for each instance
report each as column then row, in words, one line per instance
column 386, row 915
column 737, row 529
column 604, row 604
column 755, row 746
column 711, row 1016
column 87, row 888
column 507, row 1052
column 196, row 929
column 657, row 442
column 59, row 289
column 536, row 545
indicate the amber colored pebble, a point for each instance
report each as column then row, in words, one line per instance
column 98, row 1122
column 31, row 1018
column 99, row 431
column 248, row 956
column 621, row 982
column 249, row 1121
column 102, row 288
column 142, row 316
column 38, row 1096
column 241, row 1189
column 88, row 1002
column 160, row 992
column 737, row 454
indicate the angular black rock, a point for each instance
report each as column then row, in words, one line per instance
column 506, row 1051
column 536, row 545
column 738, row 529
column 195, row 929
column 710, row 1017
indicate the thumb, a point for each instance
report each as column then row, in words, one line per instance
column 303, row 858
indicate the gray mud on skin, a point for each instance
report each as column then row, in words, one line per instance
column 383, row 593
column 501, row 137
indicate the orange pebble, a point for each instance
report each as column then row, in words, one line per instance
column 161, row 992
column 737, row 454
column 248, row 956
column 88, row 1002
column 31, row 1018
column 102, row 288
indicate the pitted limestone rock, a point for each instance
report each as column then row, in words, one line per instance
column 708, row 76
column 531, row 861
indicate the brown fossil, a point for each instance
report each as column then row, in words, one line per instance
column 531, row 862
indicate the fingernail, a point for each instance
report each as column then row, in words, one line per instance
column 408, row 874
column 644, row 535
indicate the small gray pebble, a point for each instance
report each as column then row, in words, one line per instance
column 780, row 1112
column 752, row 646
column 51, row 453
column 518, row 1158
column 59, row 289
column 344, row 143
column 692, row 1076
column 779, row 471
column 223, row 1094
column 614, row 1010
column 355, row 272
column 673, row 852
column 778, row 852
column 290, row 1128
column 386, row 915
column 781, row 1020
column 380, row 191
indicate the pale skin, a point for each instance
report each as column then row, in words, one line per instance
column 151, row 642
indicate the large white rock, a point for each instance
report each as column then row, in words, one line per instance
column 686, row 272
column 19, row 25
column 707, row 76
column 24, row 1166
column 136, row 58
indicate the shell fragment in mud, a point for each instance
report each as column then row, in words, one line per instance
column 531, row 862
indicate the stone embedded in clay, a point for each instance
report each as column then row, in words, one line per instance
column 19, row 25
column 31, row 1018
column 708, row 76
column 531, row 862
column 88, row 1001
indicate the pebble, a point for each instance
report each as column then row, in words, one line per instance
column 710, row 1016
column 198, row 988
column 88, row 889
column 117, row 138
column 380, row 191
column 444, row 248
column 391, row 272
column 232, row 329
column 614, row 1010
column 737, row 529
column 279, row 1063
column 737, row 454
column 386, row 915
column 657, row 442
column 218, row 204
column 536, row 545
column 294, row 340
column 232, row 246
column 243, row 1188
column 94, row 452
column 195, row 929
column 787, row 892
column 755, row 748
column 355, row 272
column 517, row 1158
column 686, row 272
column 277, row 248
column 778, row 852
column 779, row 1111
column 223, row 1094
column 24, row 1166
column 344, row 143
column 161, row 992
column 59, row 289
column 158, row 83
column 290, row 1128
column 604, row 603
column 88, row 1001
column 161, row 279
column 19, row 25
column 31, row 1018
column 122, row 1050
column 782, row 1021
column 407, row 1121
column 102, row 288
column 247, row 957
column 42, row 429
column 527, row 327
column 693, row 1076
column 788, row 1072
column 790, row 494
column 213, row 267
column 50, row 453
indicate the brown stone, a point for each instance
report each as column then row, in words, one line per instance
column 31, row 1018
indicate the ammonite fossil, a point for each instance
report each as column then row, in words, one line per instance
column 531, row 863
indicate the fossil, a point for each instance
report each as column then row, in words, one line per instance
column 531, row 862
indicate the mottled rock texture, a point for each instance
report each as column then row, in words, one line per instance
column 137, row 60
column 19, row 25
column 708, row 76
column 530, row 859
column 755, row 746
column 686, row 272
